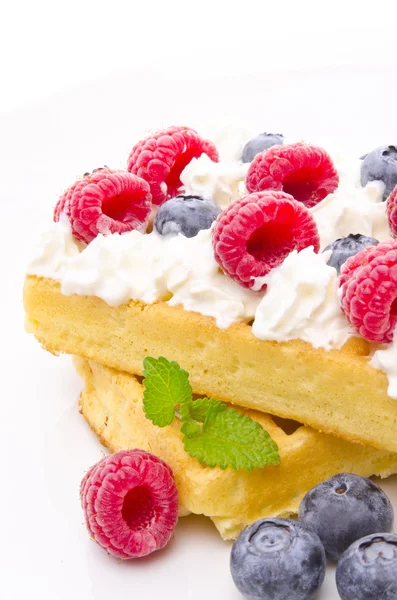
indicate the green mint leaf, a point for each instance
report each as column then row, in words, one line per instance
column 199, row 408
column 195, row 411
column 166, row 386
column 191, row 428
column 213, row 433
column 230, row 439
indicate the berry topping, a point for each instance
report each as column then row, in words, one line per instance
column 105, row 201
column 343, row 509
column 260, row 143
column 130, row 502
column 255, row 234
column 305, row 172
column 380, row 165
column 369, row 294
column 161, row 158
column 367, row 570
column 185, row 214
column 278, row 559
column 392, row 212
column 345, row 247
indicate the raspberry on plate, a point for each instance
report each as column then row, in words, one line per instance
column 105, row 201
column 392, row 212
column 161, row 158
column 130, row 502
column 255, row 234
column 305, row 172
column 369, row 292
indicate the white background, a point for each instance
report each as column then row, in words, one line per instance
column 80, row 82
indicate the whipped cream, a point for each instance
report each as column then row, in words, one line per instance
column 149, row 268
column 56, row 247
column 223, row 181
column 301, row 301
column 385, row 359
column 352, row 209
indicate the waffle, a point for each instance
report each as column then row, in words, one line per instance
column 112, row 405
column 333, row 391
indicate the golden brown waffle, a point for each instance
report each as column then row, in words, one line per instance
column 334, row 392
column 112, row 405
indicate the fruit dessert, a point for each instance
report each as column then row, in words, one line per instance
column 232, row 316
column 113, row 405
column 268, row 272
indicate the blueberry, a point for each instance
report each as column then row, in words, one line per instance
column 186, row 215
column 368, row 569
column 345, row 247
column 259, row 143
column 380, row 165
column 345, row 508
column 278, row 559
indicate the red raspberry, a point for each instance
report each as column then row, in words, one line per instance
column 130, row 502
column 306, row 172
column 255, row 234
column 161, row 158
column 369, row 293
column 105, row 202
column 392, row 212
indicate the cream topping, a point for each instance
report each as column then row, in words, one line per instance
column 301, row 301
column 352, row 209
column 148, row 267
column 222, row 182
column 56, row 247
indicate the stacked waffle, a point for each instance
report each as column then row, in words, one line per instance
column 111, row 300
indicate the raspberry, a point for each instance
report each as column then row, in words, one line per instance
column 305, row 172
column 130, row 502
column 255, row 234
column 369, row 292
column 392, row 212
column 161, row 158
column 105, row 201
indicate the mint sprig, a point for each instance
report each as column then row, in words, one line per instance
column 166, row 386
column 213, row 433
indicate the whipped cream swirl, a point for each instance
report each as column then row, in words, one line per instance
column 301, row 301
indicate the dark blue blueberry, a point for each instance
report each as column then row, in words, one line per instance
column 380, row 165
column 345, row 247
column 368, row 569
column 344, row 509
column 186, row 215
column 278, row 559
column 259, row 143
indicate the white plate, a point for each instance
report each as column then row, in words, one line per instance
column 46, row 446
